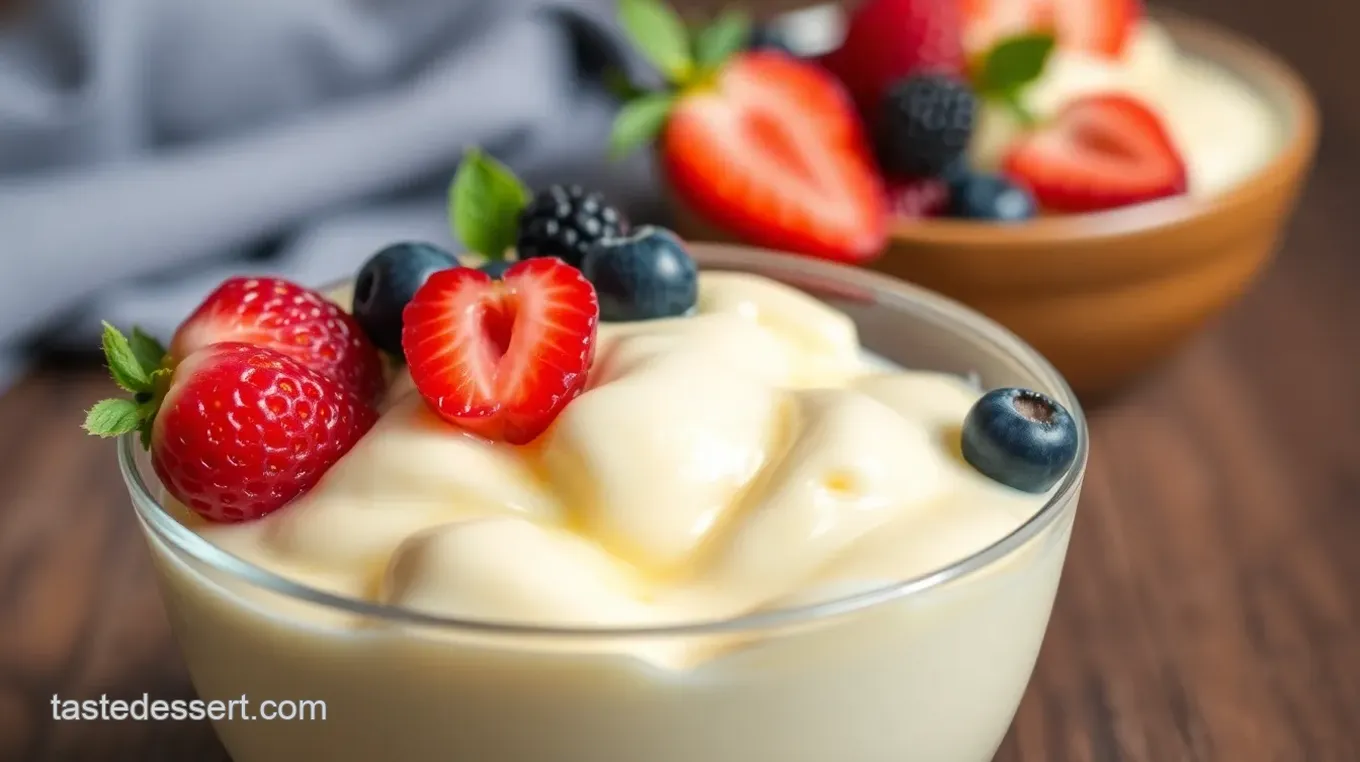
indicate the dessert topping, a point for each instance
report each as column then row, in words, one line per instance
column 236, row 431
column 499, row 357
column 924, row 125
column 563, row 221
column 759, row 144
column 387, row 282
column 290, row 319
column 644, row 276
column 1099, row 27
column 1098, row 153
column 1020, row 438
column 986, row 196
column 889, row 40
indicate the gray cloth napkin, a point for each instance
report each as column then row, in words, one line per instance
column 150, row 148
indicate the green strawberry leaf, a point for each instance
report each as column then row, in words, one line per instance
column 485, row 201
column 639, row 122
column 660, row 35
column 113, row 418
column 149, row 352
column 620, row 86
column 1014, row 63
column 723, row 38
column 126, row 369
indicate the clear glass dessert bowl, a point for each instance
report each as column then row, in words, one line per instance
column 929, row 668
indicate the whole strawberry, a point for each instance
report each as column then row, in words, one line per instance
column 889, row 40
column 236, row 431
column 290, row 319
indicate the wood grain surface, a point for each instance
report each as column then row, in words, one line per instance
column 1210, row 609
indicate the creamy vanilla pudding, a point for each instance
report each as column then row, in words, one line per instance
column 1225, row 131
column 694, row 563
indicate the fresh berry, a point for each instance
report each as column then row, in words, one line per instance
column 768, row 37
column 918, row 197
column 1100, row 152
column 925, row 124
column 774, row 154
column 286, row 317
column 563, row 221
column 888, row 40
column 1020, row 438
column 501, row 358
column 1099, row 27
column 387, row 282
column 984, row 196
column 236, row 431
column 644, row 276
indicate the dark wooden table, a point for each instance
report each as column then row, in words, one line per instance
column 1211, row 605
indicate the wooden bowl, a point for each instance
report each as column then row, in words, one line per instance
column 1106, row 296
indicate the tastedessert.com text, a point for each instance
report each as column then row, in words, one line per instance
column 148, row 709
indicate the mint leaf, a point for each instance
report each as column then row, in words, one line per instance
column 485, row 201
column 659, row 34
column 149, row 352
column 113, row 418
column 720, row 40
column 126, row 370
column 1013, row 63
column 639, row 123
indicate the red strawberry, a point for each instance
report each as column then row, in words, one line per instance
column 236, row 431
column 774, row 153
column 888, row 40
column 1100, row 152
column 502, row 358
column 1099, row 27
column 296, row 321
column 916, row 198
column 243, row 430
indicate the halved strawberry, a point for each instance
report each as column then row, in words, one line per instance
column 1100, row 152
column 888, row 40
column 299, row 322
column 774, row 153
column 1098, row 27
column 501, row 358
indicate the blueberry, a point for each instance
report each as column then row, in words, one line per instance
column 387, row 282
column 642, row 276
column 1020, row 438
column 768, row 37
column 496, row 268
column 981, row 196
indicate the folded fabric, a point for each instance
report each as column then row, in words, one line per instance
column 150, row 148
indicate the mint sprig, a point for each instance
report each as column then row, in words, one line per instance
column 687, row 61
column 140, row 367
column 485, row 201
column 1011, row 66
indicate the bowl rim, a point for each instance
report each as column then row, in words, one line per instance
column 854, row 283
column 1263, row 71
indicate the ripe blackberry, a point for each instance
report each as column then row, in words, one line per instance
column 563, row 221
column 925, row 125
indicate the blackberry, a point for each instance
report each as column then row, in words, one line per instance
column 563, row 221
column 925, row 124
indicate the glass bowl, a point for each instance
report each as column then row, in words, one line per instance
column 930, row 668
